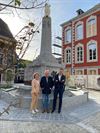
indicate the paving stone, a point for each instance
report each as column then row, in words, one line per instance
column 82, row 119
column 38, row 127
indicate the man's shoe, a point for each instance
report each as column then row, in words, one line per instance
column 52, row 111
column 43, row 111
column 48, row 111
column 59, row 112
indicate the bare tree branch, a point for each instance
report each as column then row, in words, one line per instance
column 36, row 30
column 23, row 8
column 6, row 5
column 24, row 42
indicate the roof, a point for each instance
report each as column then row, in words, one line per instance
column 96, row 7
column 4, row 30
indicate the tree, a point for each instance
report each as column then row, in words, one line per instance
column 23, row 4
column 26, row 34
column 9, row 76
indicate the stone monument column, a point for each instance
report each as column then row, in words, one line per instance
column 46, row 33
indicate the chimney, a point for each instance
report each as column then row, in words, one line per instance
column 79, row 12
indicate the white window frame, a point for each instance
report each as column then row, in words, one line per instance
column 79, row 45
column 80, row 69
column 76, row 25
column 68, row 48
column 96, row 69
column 94, row 60
column 90, row 18
column 68, row 28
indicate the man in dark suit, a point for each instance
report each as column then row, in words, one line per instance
column 59, row 84
column 46, row 85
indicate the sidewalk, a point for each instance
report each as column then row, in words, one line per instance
column 82, row 119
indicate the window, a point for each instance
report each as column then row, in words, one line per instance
column 91, row 26
column 68, row 55
column 79, row 31
column 92, row 72
column 79, row 72
column 1, row 56
column 68, row 35
column 79, row 53
column 92, row 51
column 10, row 57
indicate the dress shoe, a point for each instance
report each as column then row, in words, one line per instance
column 52, row 111
column 43, row 111
column 48, row 111
column 59, row 112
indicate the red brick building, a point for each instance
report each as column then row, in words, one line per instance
column 81, row 42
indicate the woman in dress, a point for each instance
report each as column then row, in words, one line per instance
column 35, row 92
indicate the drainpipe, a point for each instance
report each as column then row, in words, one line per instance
column 73, row 48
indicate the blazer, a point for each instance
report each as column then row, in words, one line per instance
column 45, row 85
column 59, row 84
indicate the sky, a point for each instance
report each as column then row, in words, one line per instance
column 61, row 11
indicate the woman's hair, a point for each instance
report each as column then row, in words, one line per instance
column 36, row 73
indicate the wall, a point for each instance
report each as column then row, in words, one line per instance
column 88, row 81
column 84, row 41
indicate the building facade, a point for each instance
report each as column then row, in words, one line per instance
column 81, row 43
column 7, row 54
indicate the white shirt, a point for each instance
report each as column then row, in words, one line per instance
column 59, row 77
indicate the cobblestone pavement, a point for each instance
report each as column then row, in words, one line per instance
column 91, row 123
column 82, row 119
column 75, row 115
column 95, row 95
column 38, row 127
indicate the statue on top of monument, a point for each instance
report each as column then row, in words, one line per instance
column 47, row 10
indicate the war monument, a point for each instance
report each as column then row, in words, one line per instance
column 45, row 60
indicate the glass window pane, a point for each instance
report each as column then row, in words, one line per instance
column 79, row 32
column 68, row 56
column 68, row 35
column 92, row 27
column 92, row 51
column 80, row 53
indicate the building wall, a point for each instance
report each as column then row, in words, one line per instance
column 85, row 65
column 7, row 61
column 87, row 81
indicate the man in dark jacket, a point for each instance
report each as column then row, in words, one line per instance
column 46, row 85
column 59, row 84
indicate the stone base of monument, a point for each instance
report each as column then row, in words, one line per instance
column 22, row 97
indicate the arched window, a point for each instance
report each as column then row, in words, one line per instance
column 92, row 51
column 91, row 26
column 79, row 31
column 79, row 53
column 68, row 35
column 68, row 56
column 1, row 56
